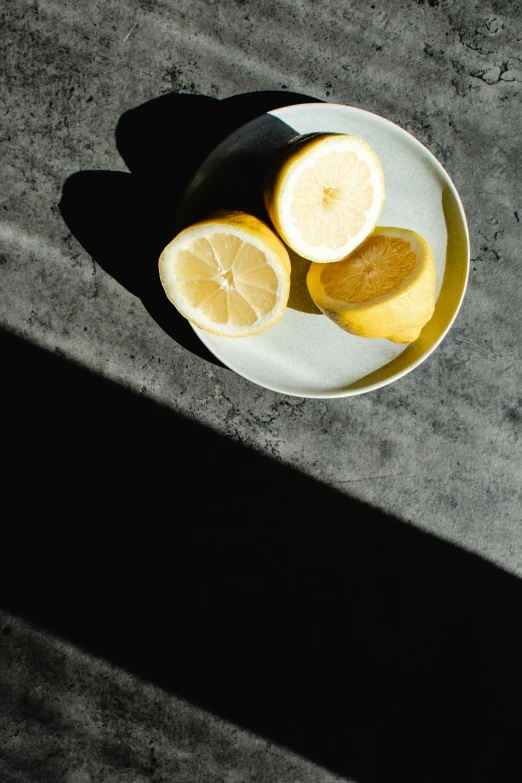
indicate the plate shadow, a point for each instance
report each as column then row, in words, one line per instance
column 124, row 220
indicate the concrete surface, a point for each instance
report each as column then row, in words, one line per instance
column 117, row 727
column 439, row 449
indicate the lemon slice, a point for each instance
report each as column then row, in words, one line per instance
column 228, row 274
column 385, row 288
column 324, row 194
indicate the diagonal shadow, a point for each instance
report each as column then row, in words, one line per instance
column 247, row 588
column 125, row 220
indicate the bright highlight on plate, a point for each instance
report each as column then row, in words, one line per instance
column 228, row 274
column 325, row 194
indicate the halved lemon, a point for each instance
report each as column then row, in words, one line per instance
column 228, row 274
column 385, row 288
column 324, row 194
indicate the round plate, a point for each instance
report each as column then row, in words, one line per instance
column 305, row 354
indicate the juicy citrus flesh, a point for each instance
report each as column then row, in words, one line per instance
column 227, row 279
column 325, row 194
column 228, row 275
column 331, row 199
column 375, row 269
column 385, row 288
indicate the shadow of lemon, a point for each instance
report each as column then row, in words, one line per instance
column 300, row 298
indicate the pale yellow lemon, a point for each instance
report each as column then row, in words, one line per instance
column 324, row 194
column 228, row 274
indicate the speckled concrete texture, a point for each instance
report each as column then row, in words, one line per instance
column 438, row 450
column 116, row 727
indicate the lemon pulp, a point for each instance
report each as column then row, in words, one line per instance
column 385, row 288
column 331, row 199
column 324, row 194
column 228, row 274
column 226, row 279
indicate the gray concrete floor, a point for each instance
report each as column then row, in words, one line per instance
column 438, row 450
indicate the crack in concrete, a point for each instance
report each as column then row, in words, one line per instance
column 94, row 278
column 485, row 75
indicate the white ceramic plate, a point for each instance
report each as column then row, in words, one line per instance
column 305, row 354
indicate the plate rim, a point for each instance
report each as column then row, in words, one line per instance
column 336, row 394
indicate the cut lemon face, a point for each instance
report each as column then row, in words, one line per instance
column 385, row 288
column 228, row 274
column 325, row 194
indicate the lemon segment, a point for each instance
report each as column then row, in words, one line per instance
column 385, row 288
column 228, row 274
column 324, row 194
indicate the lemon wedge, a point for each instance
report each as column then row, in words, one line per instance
column 385, row 288
column 324, row 194
column 228, row 274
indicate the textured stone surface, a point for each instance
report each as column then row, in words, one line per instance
column 439, row 449
column 68, row 717
column 436, row 448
